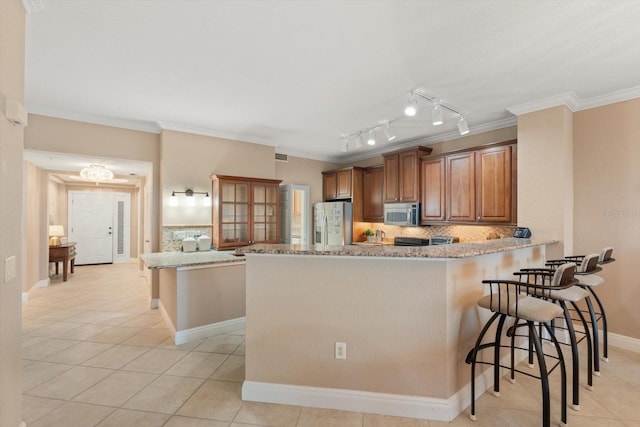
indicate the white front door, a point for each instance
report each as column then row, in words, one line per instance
column 91, row 226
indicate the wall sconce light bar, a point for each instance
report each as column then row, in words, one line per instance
column 189, row 193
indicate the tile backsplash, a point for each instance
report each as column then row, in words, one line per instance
column 466, row 233
column 172, row 235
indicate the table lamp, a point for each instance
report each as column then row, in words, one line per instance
column 55, row 232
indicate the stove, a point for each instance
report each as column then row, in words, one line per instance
column 410, row 241
column 417, row 241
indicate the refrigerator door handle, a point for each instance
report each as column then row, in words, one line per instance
column 325, row 229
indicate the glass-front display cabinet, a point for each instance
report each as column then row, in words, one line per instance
column 244, row 211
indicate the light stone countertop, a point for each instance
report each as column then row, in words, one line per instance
column 455, row 250
column 158, row 260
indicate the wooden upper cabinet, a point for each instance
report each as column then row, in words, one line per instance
column 433, row 198
column 337, row 184
column 494, row 184
column 329, row 186
column 244, row 211
column 373, row 194
column 344, row 184
column 343, row 188
column 402, row 175
column 461, row 187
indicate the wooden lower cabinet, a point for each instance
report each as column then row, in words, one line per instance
column 373, row 194
column 245, row 211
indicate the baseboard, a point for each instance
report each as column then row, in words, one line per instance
column 193, row 334
column 426, row 408
column 165, row 317
column 153, row 302
column 623, row 342
column 44, row 283
column 205, row 331
column 25, row 297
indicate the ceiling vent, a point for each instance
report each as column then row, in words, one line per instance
column 282, row 157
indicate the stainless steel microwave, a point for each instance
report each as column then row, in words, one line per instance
column 404, row 214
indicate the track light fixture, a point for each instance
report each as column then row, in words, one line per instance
column 463, row 127
column 372, row 137
column 436, row 114
column 412, row 106
column 410, row 109
column 389, row 133
column 359, row 140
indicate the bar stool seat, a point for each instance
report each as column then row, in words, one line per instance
column 590, row 280
column 533, row 309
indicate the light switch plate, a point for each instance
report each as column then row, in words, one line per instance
column 9, row 269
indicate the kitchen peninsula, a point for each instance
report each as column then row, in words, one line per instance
column 201, row 293
column 407, row 315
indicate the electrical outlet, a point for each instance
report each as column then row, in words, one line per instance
column 341, row 350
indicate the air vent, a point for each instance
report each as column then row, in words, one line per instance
column 282, row 157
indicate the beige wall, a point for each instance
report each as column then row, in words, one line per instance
column 607, row 204
column 72, row 137
column 302, row 171
column 189, row 160
column 37, row 233
column 12, row 227
column 545, row 176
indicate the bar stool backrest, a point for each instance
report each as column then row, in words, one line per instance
column 589, row 263
column 563, row 276
column 605, row 255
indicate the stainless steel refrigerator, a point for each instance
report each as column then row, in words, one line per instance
column 332, row 222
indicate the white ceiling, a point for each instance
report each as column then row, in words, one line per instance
column 298, row 74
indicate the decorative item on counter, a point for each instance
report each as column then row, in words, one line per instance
column 371, row 234
column 204, row 243
column 189, row 244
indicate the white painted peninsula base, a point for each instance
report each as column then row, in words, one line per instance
column 408, row 324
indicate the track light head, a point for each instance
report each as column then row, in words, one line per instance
column 389, row 133
column 436, row 114
column 463, row 127
column 359, row 140
column 372, row 137
column 412, row 106
column 344, row 143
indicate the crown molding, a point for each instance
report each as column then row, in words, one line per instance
column 139, row 125
column 574, row 103
column 34, row 6
column 195, row 130
column 448, row 136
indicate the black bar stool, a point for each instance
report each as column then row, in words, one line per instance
column 571, row 295
column 509, row 298
column 588, row 280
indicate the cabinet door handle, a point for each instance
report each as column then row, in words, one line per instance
column 478, row 218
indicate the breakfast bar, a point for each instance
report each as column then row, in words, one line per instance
column 201, row 293
column 405, row 318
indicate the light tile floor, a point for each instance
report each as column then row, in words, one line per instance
column 96, row 355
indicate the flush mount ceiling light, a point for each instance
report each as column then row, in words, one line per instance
column 96, row 173
column 410, row 109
